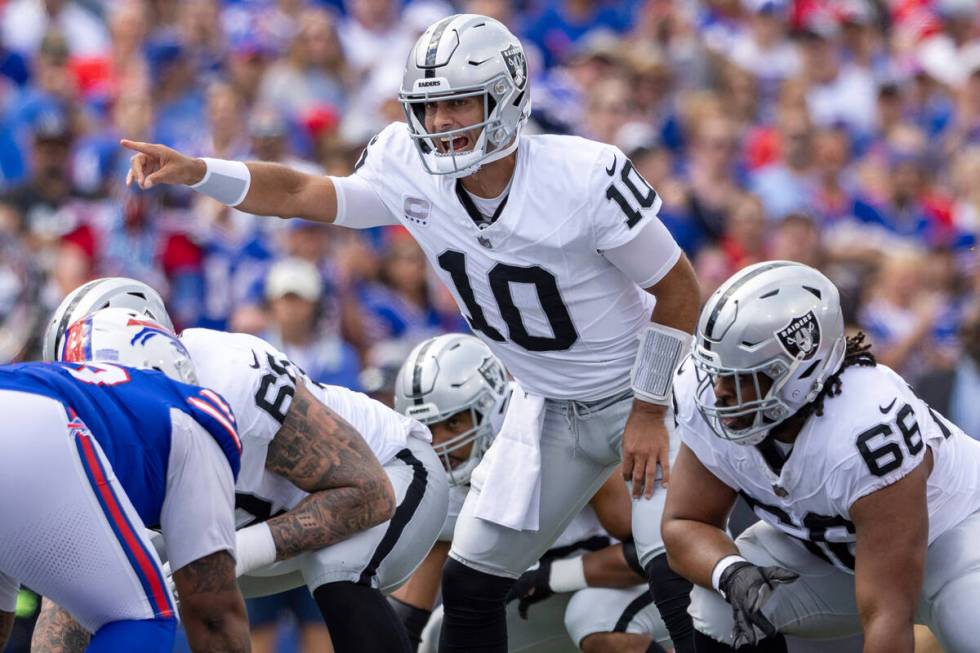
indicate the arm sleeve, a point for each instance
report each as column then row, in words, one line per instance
column 9, row 589
column 623, row 203
column 358, row 205
column 198, row 515
column 648, row 256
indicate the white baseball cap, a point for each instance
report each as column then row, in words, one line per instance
column 293, row 276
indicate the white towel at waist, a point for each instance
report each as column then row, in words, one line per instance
column 509, row 477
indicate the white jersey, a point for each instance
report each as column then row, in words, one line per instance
column 871, row 435
column 257, row 380
column 534, row 284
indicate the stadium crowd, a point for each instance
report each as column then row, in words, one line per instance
column 844, row 134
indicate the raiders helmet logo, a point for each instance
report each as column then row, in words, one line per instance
column 801, row 337
column 516, row 64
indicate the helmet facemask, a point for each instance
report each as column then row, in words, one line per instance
column 766, row 410
column 480, row 435
column 494, row 142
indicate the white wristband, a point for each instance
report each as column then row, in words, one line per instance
column 567, row 575
column 720, row 568
column 254, row 549
column 226, row 181
column 660, row 353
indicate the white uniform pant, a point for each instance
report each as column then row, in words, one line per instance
column 581, row 444
column 606, row 610
column 383, row 556
column 67, row 528
column 821, row 604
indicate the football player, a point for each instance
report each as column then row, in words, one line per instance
column 93, row 452
column 455, row 385
column 869, row 500
column 346, row 494
column 553, row 250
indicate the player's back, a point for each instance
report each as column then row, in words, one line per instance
column 128, row 412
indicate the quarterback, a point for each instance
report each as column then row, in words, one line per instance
column 552, row 248
column 869, row 500
column 336, row 490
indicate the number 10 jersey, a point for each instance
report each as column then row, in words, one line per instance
column 534, row 284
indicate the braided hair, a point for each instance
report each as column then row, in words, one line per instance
column 856, row 352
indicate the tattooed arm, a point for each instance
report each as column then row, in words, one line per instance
column 57, row 632
column 211, row 607
column 6, row 625
column 318, row 451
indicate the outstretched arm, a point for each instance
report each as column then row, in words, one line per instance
column 56, row 631
column 318, row 451
column 274, row 189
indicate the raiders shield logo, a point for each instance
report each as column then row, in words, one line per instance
column 516, row 64
column 801, row 337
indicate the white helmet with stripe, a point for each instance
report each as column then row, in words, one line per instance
column 127, row 337
column 450, row 374
column 467, row 55
column 110, row 292
column 776, row 322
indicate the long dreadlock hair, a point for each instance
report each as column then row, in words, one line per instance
column 856, row 352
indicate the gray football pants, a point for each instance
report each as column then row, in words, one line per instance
column 821, row 604
column 581, row 445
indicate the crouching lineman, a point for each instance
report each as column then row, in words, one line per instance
column 459, row 388
column 869, row 500
column 89, row 455
column 346, row 494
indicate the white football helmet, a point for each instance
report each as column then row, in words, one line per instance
column 110, row 292
column 447, row 375
column 467, row 55
column 779, row 319
column 127, row 337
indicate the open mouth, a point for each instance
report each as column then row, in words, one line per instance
column 456, row 144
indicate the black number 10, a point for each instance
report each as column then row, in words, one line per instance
column 500, row 278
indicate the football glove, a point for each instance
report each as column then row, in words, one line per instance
column 747, row 587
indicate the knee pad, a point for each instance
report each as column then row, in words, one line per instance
column 150, row 635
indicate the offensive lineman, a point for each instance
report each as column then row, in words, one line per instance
column 552, row 248
column 345, row 490
column 90, row 454
column 869, row 499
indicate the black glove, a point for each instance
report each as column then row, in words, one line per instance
column 532, row 587
column 747, row 588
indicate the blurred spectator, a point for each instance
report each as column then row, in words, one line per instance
column 953, row 392
column 293, row 289
column 225, row 110
column 713, row 187
column 373, row 34
column 314, row 74
column 905, row 319
column 562, row 23
column 788, row 184
column 764, row 49
column 839, row 92
column 400, row 305
column 26, row 21
column 797, row 238
column 178, row 98
column 37, row 203
column 745, row 229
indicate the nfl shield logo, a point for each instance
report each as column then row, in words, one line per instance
column 516, row 64
column 801, row 337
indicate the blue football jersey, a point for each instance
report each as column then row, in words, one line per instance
column 128, row 413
